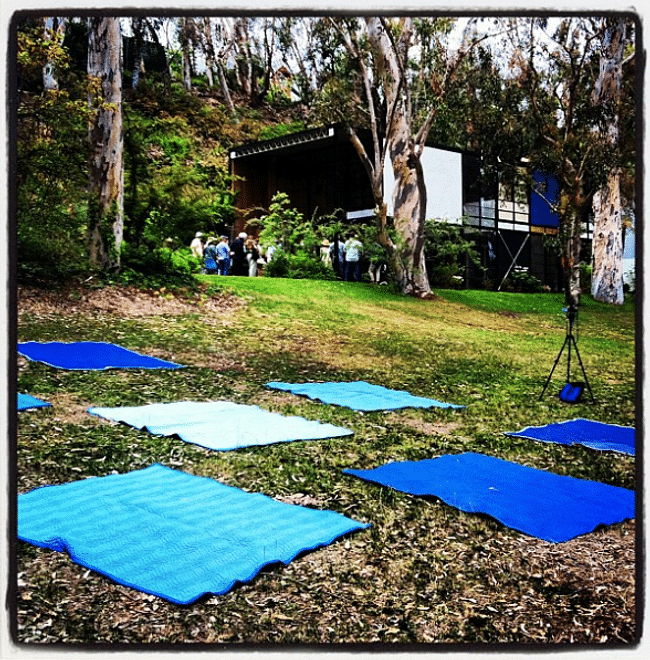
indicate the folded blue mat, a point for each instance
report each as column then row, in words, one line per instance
column 595, row 435
column 542, row 504
column 26, row 401
column 360, row 395
column 90, row 355
column 172, row 534
column 220, row 425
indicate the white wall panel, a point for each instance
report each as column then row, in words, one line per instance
column 444, row 178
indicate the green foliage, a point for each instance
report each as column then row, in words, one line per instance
column 445, row 248
column 175, row 182
column 155, row 268
column 299, row 266
column 51, row 175
column 283, row 225
column 287, row 228
column 278, row 130
column 522, row 281
column 298, row 241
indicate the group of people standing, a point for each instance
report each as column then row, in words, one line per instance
column 347, row 258
column 241, row 257
column 221, row 257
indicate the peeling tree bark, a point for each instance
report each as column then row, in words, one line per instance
column 607, row 276
column 106, row 147
column 54, row 29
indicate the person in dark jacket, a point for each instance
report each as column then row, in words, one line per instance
column 238, row 252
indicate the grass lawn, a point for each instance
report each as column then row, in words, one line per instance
column 423, row 572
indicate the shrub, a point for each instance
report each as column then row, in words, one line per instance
column 299, row 266
column 523, row 281
column 153, row 268
column 445, row 248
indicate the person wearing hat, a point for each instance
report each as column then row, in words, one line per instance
column 197, row 246
column 238, row 251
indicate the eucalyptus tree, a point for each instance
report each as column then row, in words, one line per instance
column 188, row 35
column 611, row 92
column 105, row 140
column 397, row 97
column 53, row 34
column 551, row 73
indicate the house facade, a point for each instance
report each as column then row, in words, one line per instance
column 321, row 172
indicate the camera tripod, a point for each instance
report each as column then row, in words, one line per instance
column 569, row 341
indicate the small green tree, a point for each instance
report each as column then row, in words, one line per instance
column 446, row 249
column 282, row 225
column 297, row 241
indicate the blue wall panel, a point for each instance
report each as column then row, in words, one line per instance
column 540, row 213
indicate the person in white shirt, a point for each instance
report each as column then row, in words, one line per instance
column 352, row 249
column 197, row 246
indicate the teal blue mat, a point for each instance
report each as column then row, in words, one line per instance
column 360, row 395
column 26, row 401
column 172, row 534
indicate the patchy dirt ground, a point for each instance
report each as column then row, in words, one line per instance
column 122, row 301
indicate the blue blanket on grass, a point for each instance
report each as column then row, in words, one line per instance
column 90, row 355
column 542, row 504
column 220, row 425
column 360, row 395
column 26, row 401
column 172, row 534
column 595, row 435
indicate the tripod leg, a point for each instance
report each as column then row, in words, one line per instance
column 584, row 373
column 557, row 359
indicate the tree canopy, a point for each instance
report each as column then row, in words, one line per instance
column 523, row 92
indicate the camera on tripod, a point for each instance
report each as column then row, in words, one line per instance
column 571, row 313
column 572, row 391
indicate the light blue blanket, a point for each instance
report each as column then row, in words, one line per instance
column 172, row 534
column 220, row 425
column 360, row 395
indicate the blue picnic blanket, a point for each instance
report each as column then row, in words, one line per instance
column 542, row 504
column 359, row 395
column 90, row 355
column 172, row 534
column 595, row 435
column 26, row 401
column 220, row 425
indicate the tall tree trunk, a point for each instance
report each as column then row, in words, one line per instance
column 187, row 70
column 244, row 59
column 209, row 72
column 409, row 192
column 607, row 277
column 571, row 210
column 106, row 162
column 409, row 210
column 138, row 55
column 185, row 39
column 54, row 29
column 223, row 83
